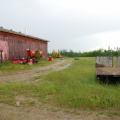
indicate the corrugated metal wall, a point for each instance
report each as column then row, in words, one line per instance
column 15, row 45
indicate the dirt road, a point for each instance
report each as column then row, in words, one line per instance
column 41, row 111
column 30, row 74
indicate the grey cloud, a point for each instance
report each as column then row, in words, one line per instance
column 60, row 23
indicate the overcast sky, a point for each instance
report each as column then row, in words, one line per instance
column 79, row 25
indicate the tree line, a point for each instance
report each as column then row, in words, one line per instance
column 94, row 53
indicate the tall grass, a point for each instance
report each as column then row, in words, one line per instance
column 76, row 87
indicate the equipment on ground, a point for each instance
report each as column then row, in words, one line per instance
column 56, row 55
column 30, row 57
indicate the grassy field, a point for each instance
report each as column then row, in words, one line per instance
column 75, row 87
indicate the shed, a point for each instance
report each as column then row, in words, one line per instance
column 15, row 44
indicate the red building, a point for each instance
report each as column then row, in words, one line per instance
column 14, row 44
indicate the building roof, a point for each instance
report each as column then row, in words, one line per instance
column 21, row 34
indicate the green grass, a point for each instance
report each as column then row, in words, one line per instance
column 10, row 68
column 78, row 87
column 75, row 86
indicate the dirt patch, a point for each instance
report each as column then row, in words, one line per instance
column 40, row 111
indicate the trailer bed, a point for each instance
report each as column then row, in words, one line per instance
column 108, row 71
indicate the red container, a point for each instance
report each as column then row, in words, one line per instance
column 50, row 58
column 31, row 53
column 30, row 63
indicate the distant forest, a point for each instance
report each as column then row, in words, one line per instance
column 100, row 52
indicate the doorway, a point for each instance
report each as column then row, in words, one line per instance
column 1, row 58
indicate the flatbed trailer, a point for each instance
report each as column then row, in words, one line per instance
column 104, row 68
